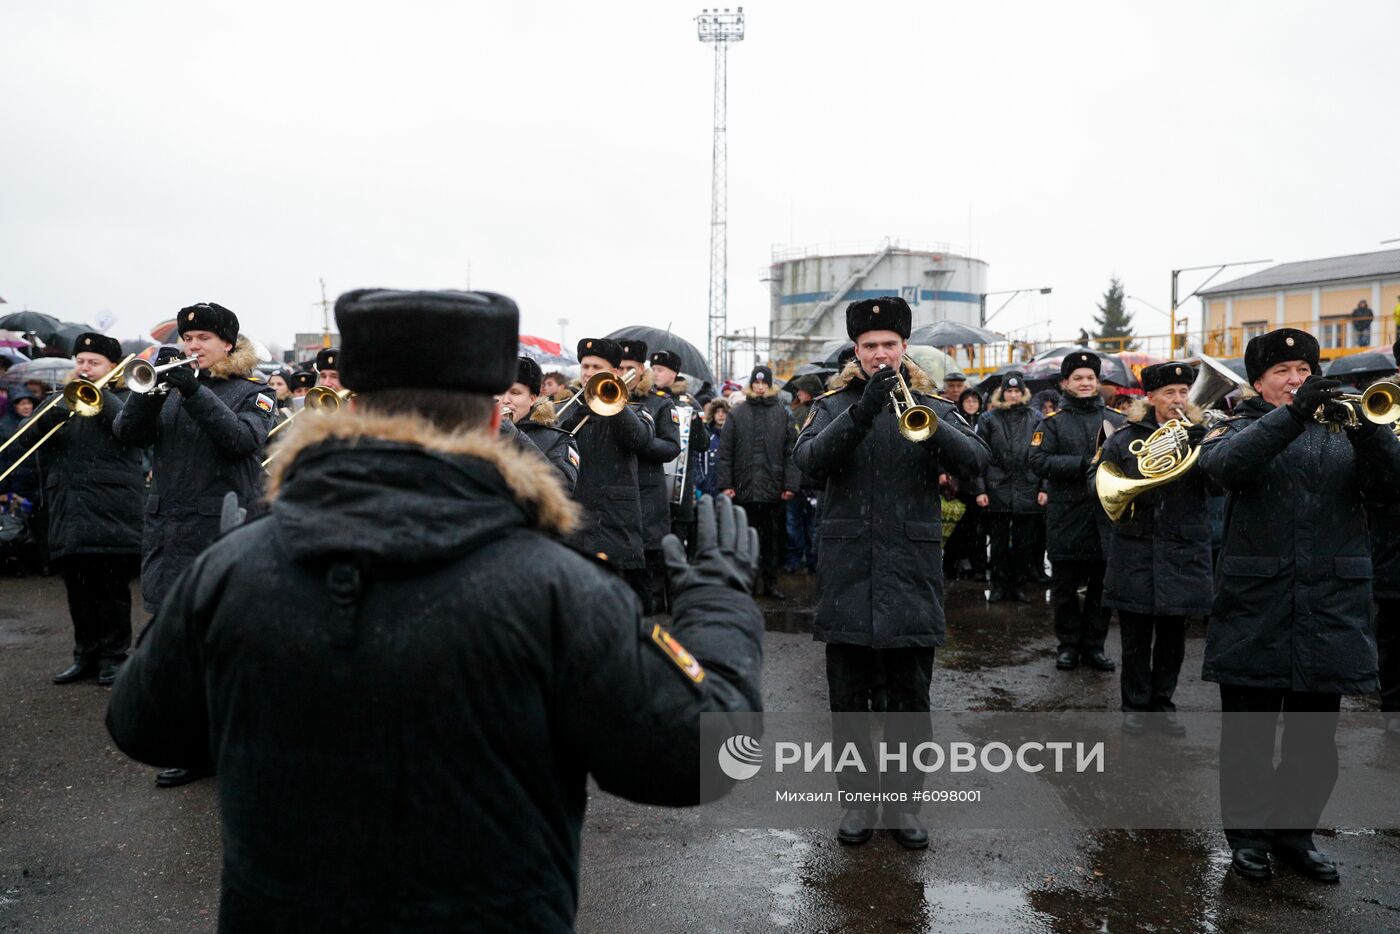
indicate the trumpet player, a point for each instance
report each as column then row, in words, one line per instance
column 207, row 434
column 533, row 416
column 1062, row 453
column 1290, row 628
column 327, row 369
column 608, row 445
column 94, row 485
column 879, row 567
column 1159, row 564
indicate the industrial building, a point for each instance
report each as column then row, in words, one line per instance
column 810, row 288
column 1318, row 296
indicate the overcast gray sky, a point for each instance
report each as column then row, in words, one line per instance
column 157, row 154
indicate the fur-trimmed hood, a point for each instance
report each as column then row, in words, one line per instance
column 399, row 489
column 997, row 402
column 771, row 393
column 917, row 379
column 1141, row 408
column 240, row 362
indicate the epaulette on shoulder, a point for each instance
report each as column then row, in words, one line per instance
column 256, row 378
column 832, row 392
column 661, row 392
column 1051, row 414
column 1119, row 411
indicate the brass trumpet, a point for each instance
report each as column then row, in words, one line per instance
column 916, row 422
column 141, row 377
column 1379, row 404
column 317, row 399
column 1163, row 456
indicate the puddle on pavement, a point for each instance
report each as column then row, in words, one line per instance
column 994, row 635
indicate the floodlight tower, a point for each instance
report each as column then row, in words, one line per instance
column 720, row 28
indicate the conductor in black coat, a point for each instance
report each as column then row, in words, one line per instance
column 1062, row 453
column 94, row 486
column 403, row 674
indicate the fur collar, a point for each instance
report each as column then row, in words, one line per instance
column 1141, row 409
column 997, row 402
column 543, row 413
column 918, row 380
column 770, row 393
column 532, row 481
column 241, row 362
column 642, row 387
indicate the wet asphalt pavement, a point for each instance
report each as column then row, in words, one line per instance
column 87, row 843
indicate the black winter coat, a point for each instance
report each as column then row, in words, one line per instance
column 1384, row 522
column 697, row 446
column 755, row 451
column 1009, row 482
column 1062, row 449
column 405, row 683
column 664, row 447
column 205, row 447
column 94, row 485
column 25, row 480
column 607, row 484
column 1159, row 554
column 1293, row 582
column 879, row 565
column 555, row 444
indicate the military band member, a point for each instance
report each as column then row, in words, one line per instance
column 1385, row 556
column 406, row 684
column 1062, row 453
column 327, row 372
column 1290, row 627
column 207, row 435
column 1009, row 489
column 301, row 382
column 277, row 382
column 662, row 449
column 666, row 377
column 1159, row 564
column 533, row 416
column 607, row 487
column 94, row 486
column 879, row 571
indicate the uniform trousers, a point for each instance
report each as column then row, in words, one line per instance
column 770, row 519
column 1276, row 807
column 1013, row 542
column 1153, row 650
column 99, row 600
column 1080, row 626
column 862, row 680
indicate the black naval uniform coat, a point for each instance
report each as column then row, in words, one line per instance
column 93, row 483
column 1062, row 450
column 664, row 447
column 696, row 446
column 879, row 567
column 1292, row 604
column 557, row 445
column 1009, row 482
column 1159, row 561
column 607, row 486
column 405, row 684
column 205, row 446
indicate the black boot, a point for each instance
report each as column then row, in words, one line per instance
column 910, row 833
column 78, row 671
column 856, row 827
column 108, row 674
column 1133, row 722
column 174, row 778
column 1252, row 863
column 1099, row 661
column 1067, row 660
column 1311, row 863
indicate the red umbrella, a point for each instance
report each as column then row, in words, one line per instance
column 166, row 332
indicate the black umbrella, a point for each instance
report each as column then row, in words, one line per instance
column 31, row 322
column 828, row 355
column 693, row 363
column 1360, row 363
column 949, row 333
column 62, row 339
column 1046, row 366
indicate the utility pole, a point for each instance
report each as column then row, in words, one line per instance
column 325, row 317
column 1176, row 274
column 720, row 28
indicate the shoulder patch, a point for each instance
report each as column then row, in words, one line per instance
column 264, row 402
column 676, row 653
column 1052, row 414
column 1215, row 433
column 1036, row 438
column 571, row 452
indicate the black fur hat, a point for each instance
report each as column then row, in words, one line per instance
column 466, row 341
column 326, row 358
column 607, row 348
column 528, row 372
column 633, row 349
column 1280, row 346
column 886, row 313
column 207, row 316
column 761, row 373
column 301, row 379
column 92, row 342
column 1171, row 373
column 1077, row 361
column 668, row 359
column 1013, row 380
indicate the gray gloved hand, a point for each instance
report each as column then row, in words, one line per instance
column 875, row 397
column 182, row 378
column 1315, row 392
column 726, row 549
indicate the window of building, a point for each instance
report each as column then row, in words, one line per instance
column 1332, row 332
column 1253, row 329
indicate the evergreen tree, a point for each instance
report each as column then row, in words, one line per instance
column 1113, row 319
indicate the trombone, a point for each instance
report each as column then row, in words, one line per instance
column 83, row 398
column 916, row 422
column 142, row 378
column 604, row 394
column 317, row 399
